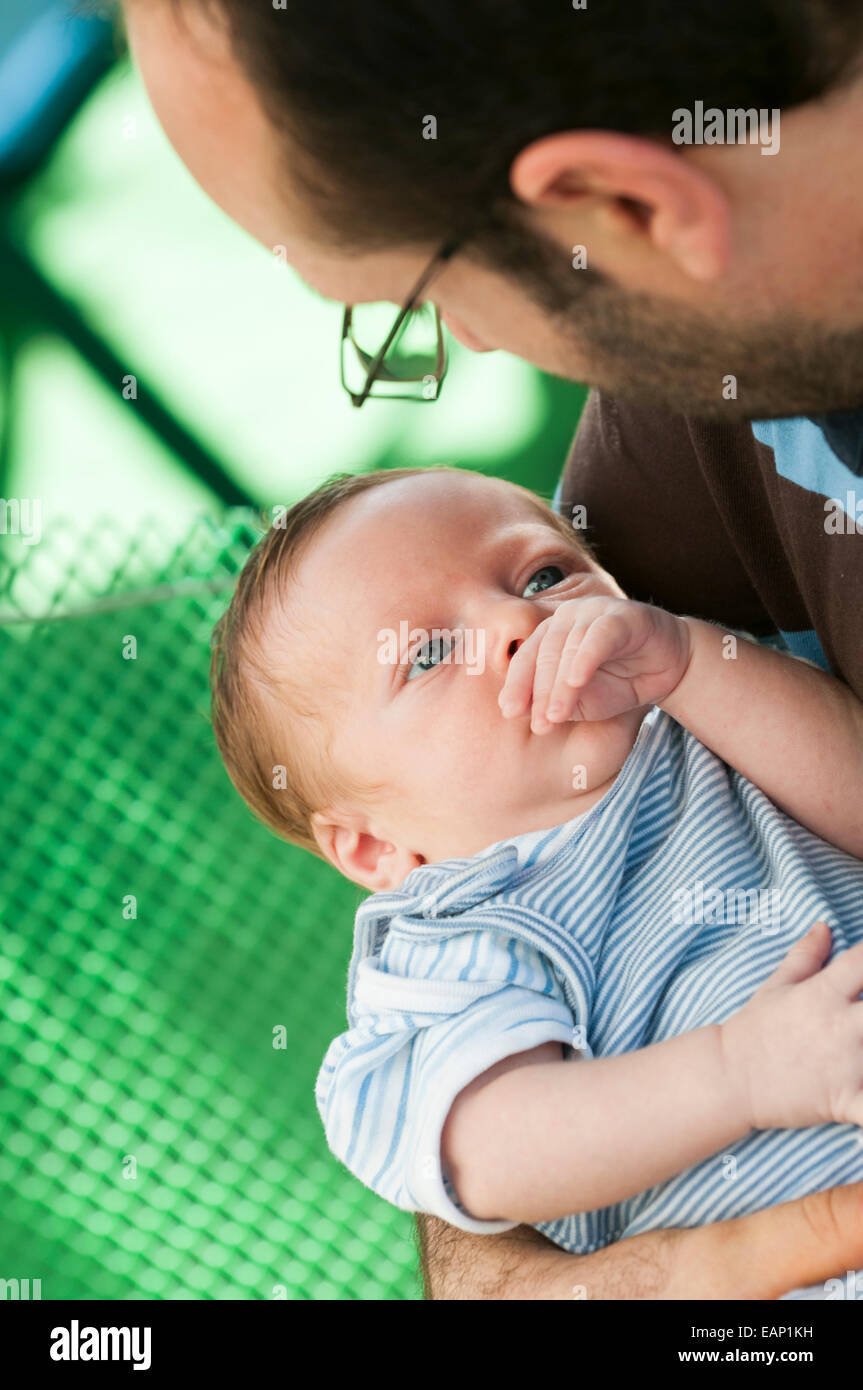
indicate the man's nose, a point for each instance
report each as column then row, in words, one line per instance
column 463, row 335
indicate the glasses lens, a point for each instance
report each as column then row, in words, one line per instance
column 414, row 361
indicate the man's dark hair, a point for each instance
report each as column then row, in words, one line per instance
column 351, row 83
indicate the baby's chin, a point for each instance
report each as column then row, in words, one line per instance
column 598, row 749
column 572, row 767
column 589, row 753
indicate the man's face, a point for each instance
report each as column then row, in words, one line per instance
column 411, row 601
column 780, row 333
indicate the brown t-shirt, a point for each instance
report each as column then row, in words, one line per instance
column 694, row 517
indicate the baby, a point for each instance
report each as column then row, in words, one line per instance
column 603, row 838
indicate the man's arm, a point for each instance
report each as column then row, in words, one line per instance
column 760, row 1256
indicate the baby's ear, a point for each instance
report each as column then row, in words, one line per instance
column 363, row 858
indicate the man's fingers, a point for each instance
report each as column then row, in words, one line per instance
column 771, row 1252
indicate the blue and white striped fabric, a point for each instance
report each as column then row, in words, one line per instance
column 659, row 910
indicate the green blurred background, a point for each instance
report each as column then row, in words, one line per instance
column 155, row 1142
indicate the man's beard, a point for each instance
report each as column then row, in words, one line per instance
column 644, row 348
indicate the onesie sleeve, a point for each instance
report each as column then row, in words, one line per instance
column 428, row 1017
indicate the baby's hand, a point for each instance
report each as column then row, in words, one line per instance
column 796, row 1047
column 595, row 658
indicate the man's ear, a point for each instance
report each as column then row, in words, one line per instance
column 642, row 187
column 360, row 856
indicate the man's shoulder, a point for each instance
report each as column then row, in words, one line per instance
column 622, row 427
column 823, row 454
column 820, row 452
column 659, row 496
column 752, row 524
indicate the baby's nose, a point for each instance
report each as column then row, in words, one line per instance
column 503, row 652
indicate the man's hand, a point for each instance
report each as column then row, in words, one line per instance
column 761, row 1256
column 595, row 658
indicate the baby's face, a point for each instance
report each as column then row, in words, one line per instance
column 460, row 554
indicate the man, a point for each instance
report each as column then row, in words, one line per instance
column 663, row 201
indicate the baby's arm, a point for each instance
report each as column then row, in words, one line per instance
column 534, row 1138
column 792, row 729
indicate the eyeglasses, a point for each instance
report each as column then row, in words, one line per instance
column 412, row 362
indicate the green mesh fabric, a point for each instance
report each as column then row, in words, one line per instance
column 155, row 1143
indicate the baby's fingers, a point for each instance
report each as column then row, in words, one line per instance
column 845, row 971
column 517, row 690
column 548, row 664
column 553, row 698
column 562, row 699
column 603, row 640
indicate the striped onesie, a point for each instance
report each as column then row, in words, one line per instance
column 659, row 910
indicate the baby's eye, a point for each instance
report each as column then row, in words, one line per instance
column 544, row 581
column 429, row 655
